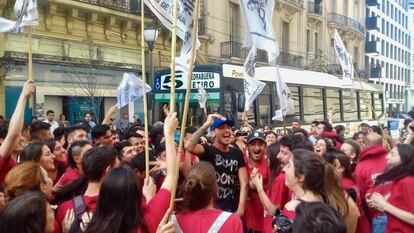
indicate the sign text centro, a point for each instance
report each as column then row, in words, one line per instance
column 207, row 80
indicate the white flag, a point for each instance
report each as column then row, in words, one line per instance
column 130, row 89
column 285, row 98
column 202, row 96
column 345, row 59
column 163, row 10
column 252, row 87
column 26, row 15
column 259, row 28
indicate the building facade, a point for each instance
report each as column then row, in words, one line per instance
column 411, row 26
column 80, row 50
column 388, row 53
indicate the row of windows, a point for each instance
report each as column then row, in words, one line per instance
column 389, row 9
column 393, row 52
column 394, row 91
column 395, row 33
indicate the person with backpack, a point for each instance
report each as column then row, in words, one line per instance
column 118, row 207
column 199, row 214
column 96, row 163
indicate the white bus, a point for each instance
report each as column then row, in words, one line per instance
column 314, row 94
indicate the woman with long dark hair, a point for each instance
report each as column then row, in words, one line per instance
column 276, row 195
column 56, row 148
column 117, row 209
column 119, row 204
column 400, row 205
column 29, row 212
column 199, row 214
column 312, row 179
column 39, row 153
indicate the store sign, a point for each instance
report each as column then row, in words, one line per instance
column 207, row 80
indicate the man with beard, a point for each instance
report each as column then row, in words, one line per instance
column 227, row 161
column 256, row 163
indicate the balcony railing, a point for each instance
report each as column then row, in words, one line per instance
column 342, row 20
column 372, row 23
column 298, row 3
column 287, row 59
column 373, row 2
column 231, row 49
column 314, row 8
column 132, row 6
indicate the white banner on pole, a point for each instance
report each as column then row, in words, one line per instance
column 252, row 86
column 163, row 10
column 26, row 15
column 130, row 89
column 259, row 28
column 285, row 98
column 345, row 59
column 202, row 97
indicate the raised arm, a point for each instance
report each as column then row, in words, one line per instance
column 244, row 182
column 170, row 125
column 16, row 121
column 257, row 180
column 192, row 144
column 108, row 115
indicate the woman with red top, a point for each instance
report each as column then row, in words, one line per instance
column 313, row 180
column 56, row 148
column 119, row 204
column 41, row 154
column 276, row 195
column 400, row 205
column 199, row 214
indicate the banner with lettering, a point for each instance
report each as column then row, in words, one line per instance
column 259, row 28
column 285, row 98
column 26, row 15
column 345, row 59
column 130, row 89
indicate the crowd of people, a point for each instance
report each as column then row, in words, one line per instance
column 89, row 177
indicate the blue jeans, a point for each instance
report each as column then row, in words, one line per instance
column 379, row 223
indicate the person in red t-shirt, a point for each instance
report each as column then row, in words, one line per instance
column 10, row 135
column 399, row 206
column 199, row 215
column 96, row 163
column 277, row 194
column 119, row 204
column 75, row 153
column 372, row 163
column 256, row 164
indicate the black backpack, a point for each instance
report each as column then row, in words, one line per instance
column 80, row 208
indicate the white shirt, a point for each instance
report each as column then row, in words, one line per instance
column 53, row 125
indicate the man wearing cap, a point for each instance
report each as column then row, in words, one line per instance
column 364, row 126
column 256, row 164
column 227, row 161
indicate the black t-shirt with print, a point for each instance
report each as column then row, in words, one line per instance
column 227, row 166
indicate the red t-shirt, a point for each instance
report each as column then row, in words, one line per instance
column 201, row 221
column 347, row 183
column 384, row 190
column 254, row 212
column 278, row 194
column 291, row 214
column 402, row 197
column 5, row 166
column 69, row 176
column 67, row 205
column 156, row 209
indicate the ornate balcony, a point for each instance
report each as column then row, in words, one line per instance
column 132, row 7
column 290, row 7
column 345, row 23
column 233, row 49
column 287, row 59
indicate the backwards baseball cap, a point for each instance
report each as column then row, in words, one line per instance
column 219, row 122
column 364, row 122
column 255, row 135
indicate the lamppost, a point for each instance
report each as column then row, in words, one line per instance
column 150, row 36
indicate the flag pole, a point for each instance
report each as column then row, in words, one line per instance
column 187, row 100
column 144, row 80
column 173, row 54
column 30, row 58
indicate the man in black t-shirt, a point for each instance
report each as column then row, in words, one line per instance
column 228, row 162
